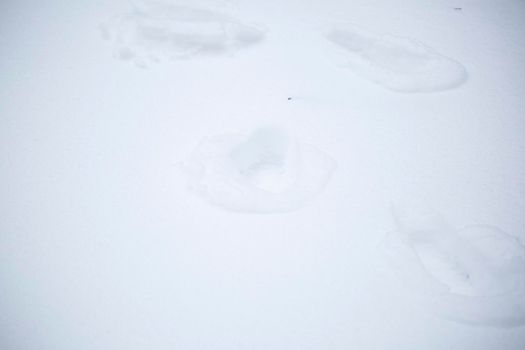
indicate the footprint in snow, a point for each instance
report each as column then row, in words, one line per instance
column 396, row 63
column 155, row 31
column 264, row 172
column 474, row 275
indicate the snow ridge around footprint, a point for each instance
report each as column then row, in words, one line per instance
column 474, row 275
column 155, row 31
column 266, row 171
column 396, row 63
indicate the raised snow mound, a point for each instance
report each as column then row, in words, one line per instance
column 156, row 31
column 264, row 172
column 396, row 63
column 473, row 275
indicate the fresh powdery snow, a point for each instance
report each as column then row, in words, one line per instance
column 279, row 174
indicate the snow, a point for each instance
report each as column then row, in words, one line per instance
column 474, row 275
column 234, row 174
column 399, row 64
column 156, row 31
column 263, row 172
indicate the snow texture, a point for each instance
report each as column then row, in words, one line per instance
column 266, row 171
column 397, row 63
column 156, row 31
column 131, row 209
column 474, row 275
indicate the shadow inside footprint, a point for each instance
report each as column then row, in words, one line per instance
column 156, row 31
column 266, row 171
column 266, row 160
column 474, row 275
column 396, row 63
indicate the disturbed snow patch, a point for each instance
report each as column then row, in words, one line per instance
column 266, row 171
column 474, row 275
column 399, row 64
column 156, row 31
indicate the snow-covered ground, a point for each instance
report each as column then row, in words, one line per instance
column 316, row 174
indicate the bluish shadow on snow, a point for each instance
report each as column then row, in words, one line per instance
column 399, row 64
column 474, row 275
column 155, row 31
column 266, row 171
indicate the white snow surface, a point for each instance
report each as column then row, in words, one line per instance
column 263, row 172
column 155, row 31
column 399, row 64
column 201, row 174
column 474, row 275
